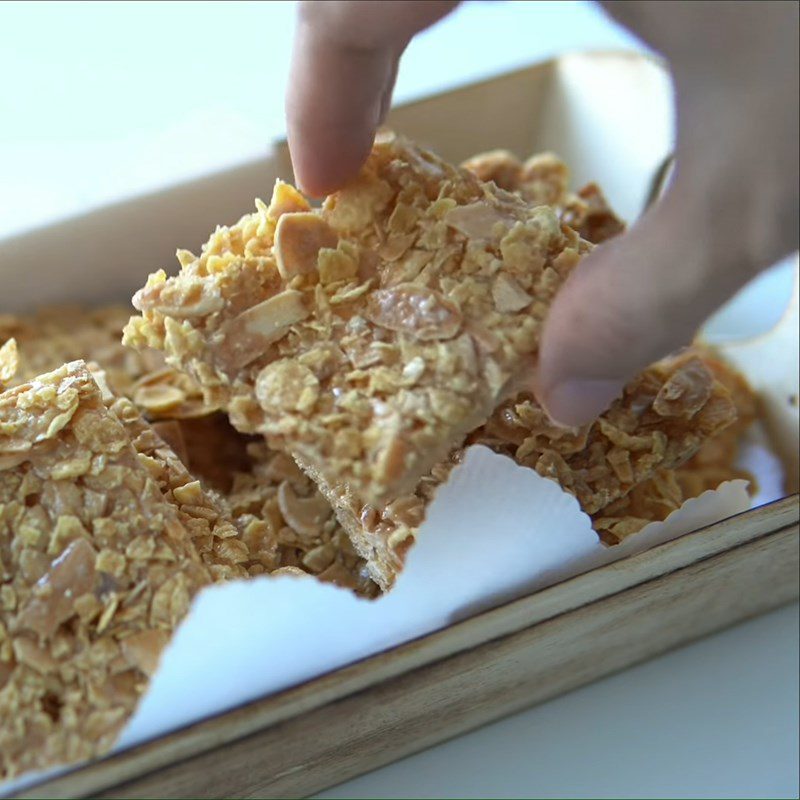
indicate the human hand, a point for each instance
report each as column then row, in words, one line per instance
column 731, row 209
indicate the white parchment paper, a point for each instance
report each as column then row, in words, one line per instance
column 494, row 532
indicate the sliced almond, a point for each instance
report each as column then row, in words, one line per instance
column 143, row 649
column 9, row 361
column 11, row 460
column 299, row 236
column 304, row 515
column 70, row 576
column 476, row 220
column 508, row 295
column 686, row 392
column 272, row 318
column 295, row 572
column 500, row 166
column 247, row 336
column 544, row 178
column 158, row 397
column 416, row 310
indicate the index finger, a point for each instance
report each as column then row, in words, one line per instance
column 344, row 64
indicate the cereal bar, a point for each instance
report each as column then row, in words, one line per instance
column 663, row 418
column 714, row 463
column 369, row 337
column 234, row 466
column 97, row 570
column 50, row 337
column 544, row 178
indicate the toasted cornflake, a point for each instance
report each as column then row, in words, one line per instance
column 9, row 361
column 715, row 462
column 640, row 434
column 50, row 337
column 306, row 341
column 665, row 416
column 589, row 213
column 284, row 518
column 544, row 178
column 77, row 581
column 252, row 511
column 204, row 512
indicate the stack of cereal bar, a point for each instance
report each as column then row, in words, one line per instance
column 290, row 401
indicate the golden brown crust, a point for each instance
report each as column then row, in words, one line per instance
column 665, row 415
column 369, row 360
column 544, row 178
column 230, row 464
column 97, row 571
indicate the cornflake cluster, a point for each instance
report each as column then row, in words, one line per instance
column 245, row 479
column 97, row 570
column 663, row 418
column 544, row 179
column 292, row 401
column 417, row 295
column 366, row 339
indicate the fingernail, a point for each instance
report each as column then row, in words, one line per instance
column 577, row 402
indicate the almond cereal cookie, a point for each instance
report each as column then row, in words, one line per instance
column 367, row 338
column 249, row 510
column 713, row 464
column 544, row 178
column 665, row 415
column 96, row 571
column 200, row 437
column 50, row 337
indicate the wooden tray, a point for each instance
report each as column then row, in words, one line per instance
column 372, row 712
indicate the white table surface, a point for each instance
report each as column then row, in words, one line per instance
column 101, row 101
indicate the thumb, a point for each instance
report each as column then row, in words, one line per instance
column 630, row 302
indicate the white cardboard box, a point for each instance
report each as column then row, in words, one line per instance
column 609, row 116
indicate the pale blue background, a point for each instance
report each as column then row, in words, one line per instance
column 100, row 101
